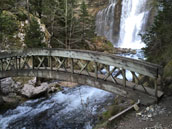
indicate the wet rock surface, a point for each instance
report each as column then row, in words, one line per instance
column 30, row 91
column 8, row 86
column 14, row 91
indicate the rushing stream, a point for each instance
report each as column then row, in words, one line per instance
column 72, row 108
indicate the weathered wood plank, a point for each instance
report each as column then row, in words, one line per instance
column 138, row 66
column 124, row 111
column 72, row 66
column 87, row 80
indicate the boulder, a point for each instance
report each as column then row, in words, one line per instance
column 7, row 86
column 30, row 91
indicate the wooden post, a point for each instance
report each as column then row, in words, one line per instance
column 16, row 62
column 19, row 62
column 32, row 58
column 96, row 70
column 1, row 65
column 124, row 77
column 50, row 63
column 133, row 75
column 156, row 88
column 72, row 66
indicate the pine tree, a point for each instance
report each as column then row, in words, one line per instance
column 87, row 25
column 158, row 37
column 36, row 7
column 8, row 28
column 65, row 24
column 34, row 36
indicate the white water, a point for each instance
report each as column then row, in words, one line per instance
column 104, row 21
column 70, row 108
column 133, row 19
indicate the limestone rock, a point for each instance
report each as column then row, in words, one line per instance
column 150, row 112
column 30, row 91
column 7, row 85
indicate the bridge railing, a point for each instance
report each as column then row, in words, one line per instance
column 91, row 63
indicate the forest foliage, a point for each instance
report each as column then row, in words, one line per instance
column 158, row 38
column 67, row 22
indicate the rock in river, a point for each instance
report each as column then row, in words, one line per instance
column 31, row 92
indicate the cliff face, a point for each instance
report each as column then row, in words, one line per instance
column 108, row 20
column 94, row 6
column 117, row 19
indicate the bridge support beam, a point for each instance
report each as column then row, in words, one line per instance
column 85, row 80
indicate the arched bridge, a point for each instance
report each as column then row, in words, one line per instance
column 104, row 71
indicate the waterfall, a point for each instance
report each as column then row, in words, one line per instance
column 132, row 21
column 105, row 21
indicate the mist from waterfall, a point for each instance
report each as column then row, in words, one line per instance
column 133, row 19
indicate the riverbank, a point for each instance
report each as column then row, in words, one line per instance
column 156, row 116
column 15, row 91
column 159, row 116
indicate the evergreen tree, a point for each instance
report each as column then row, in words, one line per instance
column 158, row 37
column 87, row 25
column 84, row 19
column 8, row 28
column 34, row 36
column 7, row 4
column 36, row 7
column 65, row 24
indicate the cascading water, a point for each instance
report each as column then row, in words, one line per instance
column 133, row 19
column 105, row 21
column 71, row 108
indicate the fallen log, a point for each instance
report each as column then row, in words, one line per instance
column 124, row 111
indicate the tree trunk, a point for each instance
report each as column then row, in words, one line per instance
column 27, row 7
column 66, row 23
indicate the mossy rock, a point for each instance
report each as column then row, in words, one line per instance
column 168, row 69
column 112, row 110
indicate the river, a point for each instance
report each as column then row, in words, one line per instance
column 71, row 108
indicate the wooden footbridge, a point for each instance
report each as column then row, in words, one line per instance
column 86, row 67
